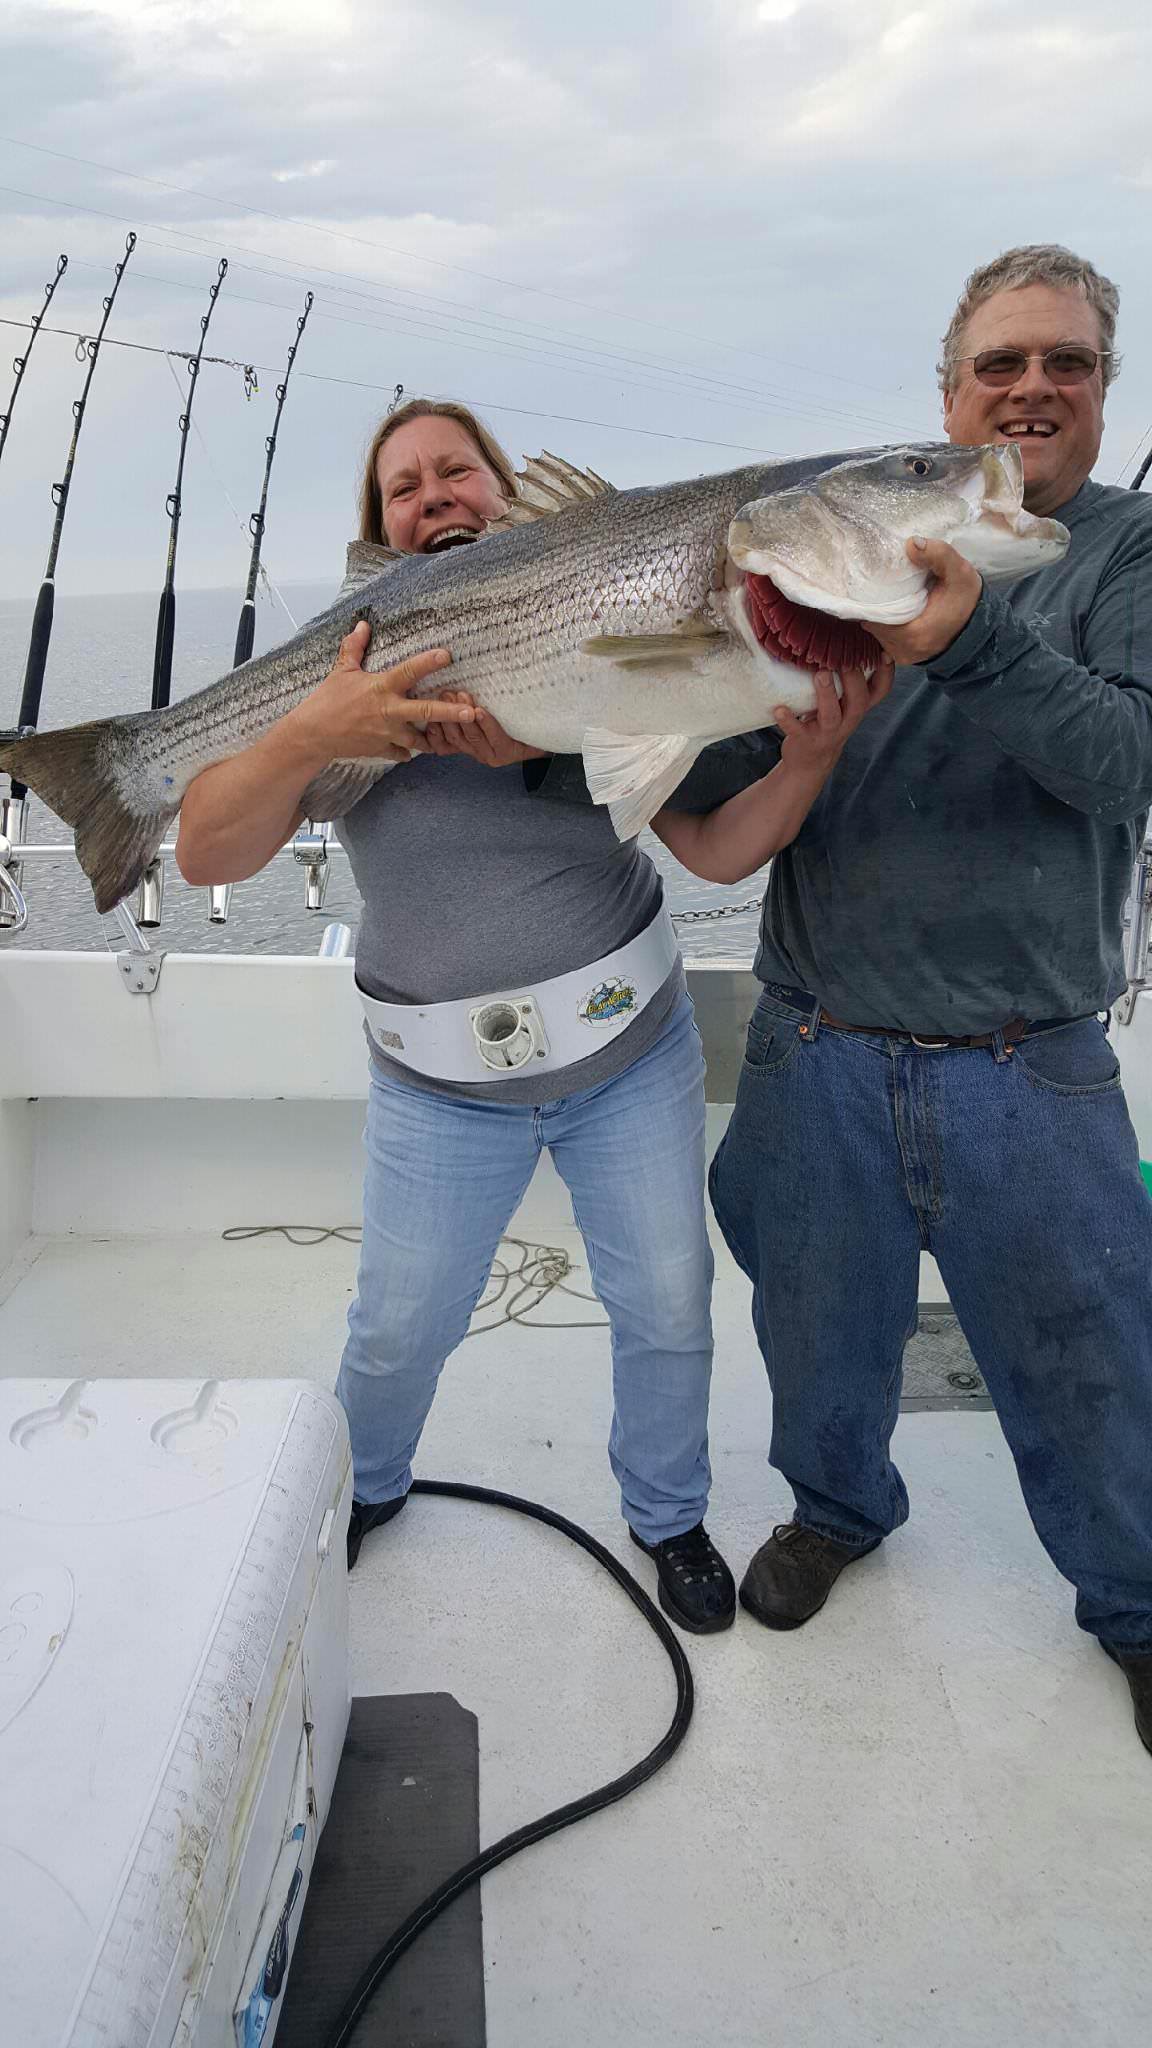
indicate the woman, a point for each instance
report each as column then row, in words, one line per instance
column 472, row 884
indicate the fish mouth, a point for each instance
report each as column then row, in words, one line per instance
column 803, row 637
column 451, row 537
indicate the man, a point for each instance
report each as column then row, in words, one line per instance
column 927, row 1068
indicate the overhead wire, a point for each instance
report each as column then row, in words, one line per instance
column 412, row 255
column 549, row 348
column 796, row 404
column 485, row 405
column 802, row 406
column 1141, row 444
column 512, row 350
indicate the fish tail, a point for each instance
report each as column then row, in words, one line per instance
column 75, row 772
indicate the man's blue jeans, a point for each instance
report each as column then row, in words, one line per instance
column 444, row 1177
column 1018, row 1169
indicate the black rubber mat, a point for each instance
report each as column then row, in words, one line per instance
column 405, row 1814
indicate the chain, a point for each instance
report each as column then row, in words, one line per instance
column 725, row 910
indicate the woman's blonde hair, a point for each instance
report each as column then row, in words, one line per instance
column 371, row 502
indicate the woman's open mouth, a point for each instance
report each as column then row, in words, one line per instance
column 452, row 537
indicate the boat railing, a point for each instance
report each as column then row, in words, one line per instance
column 312, row 849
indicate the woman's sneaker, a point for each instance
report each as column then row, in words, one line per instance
column 696, row 1587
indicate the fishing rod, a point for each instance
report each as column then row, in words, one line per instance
column 166, row 618
column 20, row 363
column 1142, row 472
column 246, row 629
column 45, row 602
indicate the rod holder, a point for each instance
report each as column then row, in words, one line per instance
column 150, row 897
column 219, row 902
column 13, row 824
column 13, row 909
column 310, row 849
column 336, row 943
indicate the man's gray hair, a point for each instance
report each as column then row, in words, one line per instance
column 1035, row 263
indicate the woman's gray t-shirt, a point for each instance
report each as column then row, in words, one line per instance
column 472, row 886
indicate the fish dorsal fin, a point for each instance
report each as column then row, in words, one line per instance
column 546, row 485
column 365, row 561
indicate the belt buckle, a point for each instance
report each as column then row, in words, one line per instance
column 930, row 1044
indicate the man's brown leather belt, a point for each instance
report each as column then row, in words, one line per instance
column 1011, row 1033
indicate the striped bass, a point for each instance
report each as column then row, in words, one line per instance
column 633, row 627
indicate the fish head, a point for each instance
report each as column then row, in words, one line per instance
column 835, row 547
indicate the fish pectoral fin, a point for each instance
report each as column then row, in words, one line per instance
column 634, row 774
column 546, row 485
column 365, row 561
column 641, row 650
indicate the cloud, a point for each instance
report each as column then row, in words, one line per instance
column 319, row 169
column 711, row 225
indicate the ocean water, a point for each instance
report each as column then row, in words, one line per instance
column 101, row 663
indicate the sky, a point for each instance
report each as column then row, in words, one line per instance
column 658, row 239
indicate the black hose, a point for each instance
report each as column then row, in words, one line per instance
column 561, row 1816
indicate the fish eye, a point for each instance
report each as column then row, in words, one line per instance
column 919, row 465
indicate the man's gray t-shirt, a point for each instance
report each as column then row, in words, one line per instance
column 968, row 858
column 472, row 886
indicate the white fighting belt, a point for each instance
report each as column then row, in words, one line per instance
column 533, row 1030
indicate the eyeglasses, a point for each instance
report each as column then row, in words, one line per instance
column 1069, row 364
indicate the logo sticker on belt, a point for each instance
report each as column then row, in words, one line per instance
column 607, row 1001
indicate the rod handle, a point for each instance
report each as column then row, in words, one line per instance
column 245, row 633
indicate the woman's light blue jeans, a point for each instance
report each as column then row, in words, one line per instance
column 850, row 1153
column 444, row 1177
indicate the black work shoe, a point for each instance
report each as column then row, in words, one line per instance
column 791, row 1575
column 1137, row 1668
column 369, row 1514
column 696, row 1587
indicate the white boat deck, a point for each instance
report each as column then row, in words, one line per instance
column 924, row 1818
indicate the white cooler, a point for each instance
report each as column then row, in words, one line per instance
column 173, row 1701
